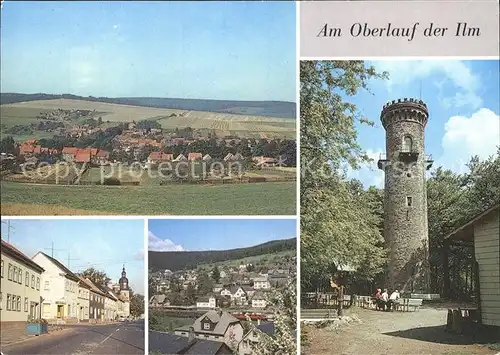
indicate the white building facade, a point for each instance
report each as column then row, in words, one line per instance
column 20, row 286
column 59, row 290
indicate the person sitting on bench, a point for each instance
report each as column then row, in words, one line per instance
column 384, row 299
column 378, row 294
column 393, row 300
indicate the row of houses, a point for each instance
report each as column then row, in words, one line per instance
column 85, row 155
column 69, row 154
column 42, row 287
column 160, row 157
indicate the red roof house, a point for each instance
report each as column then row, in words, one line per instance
column 195, row 156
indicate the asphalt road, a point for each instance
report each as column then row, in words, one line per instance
column 122, row 338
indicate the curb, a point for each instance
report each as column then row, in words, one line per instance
column 30, row 338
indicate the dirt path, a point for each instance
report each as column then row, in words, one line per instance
column 391, row 333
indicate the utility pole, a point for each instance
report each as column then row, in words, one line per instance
column 9, row 227
column 69, row 259
column 53, row 249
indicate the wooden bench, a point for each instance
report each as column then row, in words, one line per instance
column 365, row 302
column 406, row 303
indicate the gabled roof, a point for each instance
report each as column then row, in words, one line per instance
column 82, row 283
column 94, row 288
column 180, row 157
column 103, row 153
column 234, row 289
column 195, row 156
column 161, row 156
column 69, row 150
column 466, row 231
column 171, row 344
column 267, row 328
column 204, row 299
column 259, row 295
column 221, row 319
column 158, row 298
column 68, row 273
column 13, row 252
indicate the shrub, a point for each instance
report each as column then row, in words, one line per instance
column 112, row 181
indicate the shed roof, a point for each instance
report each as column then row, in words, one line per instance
column 466, row 231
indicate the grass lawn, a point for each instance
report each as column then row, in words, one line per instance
column 165, row 323
column 234, row 199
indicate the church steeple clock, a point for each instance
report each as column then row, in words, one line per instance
column 123, row 280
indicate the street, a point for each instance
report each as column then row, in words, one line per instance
column 121, row 338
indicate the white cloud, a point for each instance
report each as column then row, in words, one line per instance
column 157, row 244
column 464, row 137
column 456, row 73
column 115, row 27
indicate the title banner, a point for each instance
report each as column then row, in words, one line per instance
column 399, row 28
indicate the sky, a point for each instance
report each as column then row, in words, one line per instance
column 216, row 234
column 199, row 50
column 103, row 244
column 462, row 99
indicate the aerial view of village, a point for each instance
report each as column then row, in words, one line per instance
column 400, row 239
column 78, row 295
column 232, row 291
column 116, row 130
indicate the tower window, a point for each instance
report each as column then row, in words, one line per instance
column 407, row 144
column 409, row 201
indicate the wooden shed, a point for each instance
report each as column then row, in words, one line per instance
column 484, row 232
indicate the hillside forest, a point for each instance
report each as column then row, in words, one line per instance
column 179, row 260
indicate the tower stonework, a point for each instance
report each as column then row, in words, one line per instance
column 405, row 196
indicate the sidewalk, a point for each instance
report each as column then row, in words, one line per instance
column 18, row 334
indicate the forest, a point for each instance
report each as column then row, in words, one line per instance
column 178, row 260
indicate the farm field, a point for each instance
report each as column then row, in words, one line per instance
column 238, row 199
column 223, row 124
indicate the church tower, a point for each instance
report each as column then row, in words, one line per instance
column 124, row 291
column 405, row 195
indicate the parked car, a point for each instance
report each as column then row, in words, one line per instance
column 122, row 319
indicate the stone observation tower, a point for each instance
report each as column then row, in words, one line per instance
column 405, row 200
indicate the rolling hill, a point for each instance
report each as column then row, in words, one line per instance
column 178, row 260
column 279, row 109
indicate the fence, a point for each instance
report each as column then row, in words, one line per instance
column 313, row 300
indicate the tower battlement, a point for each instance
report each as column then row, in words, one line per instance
column 406, row 109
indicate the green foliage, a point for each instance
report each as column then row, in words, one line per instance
column 205, row 284
column 452, row 200
column 216, row 274
column 284, row 340
column 148, row 125
column 98, row 277
column 136, row 304
column 340, row 222
column 164, row 323
column 7, row 145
